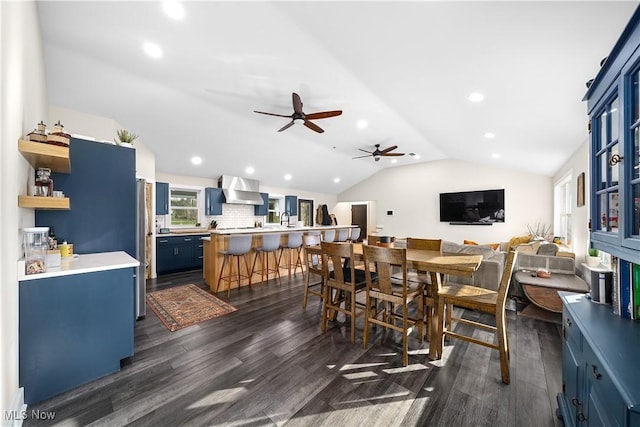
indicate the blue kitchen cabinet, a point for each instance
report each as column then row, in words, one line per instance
column 179, row 253
column 213, row 200
column 102, row 186
column 600, row 371
column 291, row 205
column 263, row 209
column 73, row 329
column 162, row 198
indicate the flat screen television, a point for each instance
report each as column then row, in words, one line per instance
column 472, row 207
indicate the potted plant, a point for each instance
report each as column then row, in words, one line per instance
column 125, row 138
column 593, row 257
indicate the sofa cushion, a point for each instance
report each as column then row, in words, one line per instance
column 494, row 246
column 456, row 248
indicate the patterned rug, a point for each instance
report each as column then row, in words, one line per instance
column 186, row 305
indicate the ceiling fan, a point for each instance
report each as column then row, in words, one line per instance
column 298, row 114
column 377, row 153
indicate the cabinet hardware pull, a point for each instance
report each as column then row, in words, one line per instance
column 163, row 241
column 575, row 402
column 594, row 370
column 581, row 417
column 187, row 240
column 615, row 159
column 568, row 322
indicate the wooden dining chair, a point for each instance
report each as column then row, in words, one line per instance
column 424, row 277
column 375, row 240
column 392, row 295
column 480, row 299
column 313, row 265
column 345, row 280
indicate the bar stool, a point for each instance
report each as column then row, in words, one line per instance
column 239, row 246
column 270, row 245
column 294, row 243
column 329, row 236
column 355, row 234
column 342, row 235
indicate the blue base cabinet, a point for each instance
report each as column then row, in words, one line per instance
column 179, row 253
column 601, row 373
column 73, row 329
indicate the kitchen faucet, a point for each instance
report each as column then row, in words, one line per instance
column 282, row 221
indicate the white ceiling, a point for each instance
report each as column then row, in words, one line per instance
column 406, row 68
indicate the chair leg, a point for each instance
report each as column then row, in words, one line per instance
column 405, row 335
column 437, row 332
column 367, row 311
column 305, row 292
column 246, row 264
column 503, row 348
column 352, row 308
column 420, row 317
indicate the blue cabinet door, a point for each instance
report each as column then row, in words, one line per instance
column 162, row 198
column 178, row 253
column 291, row 205
column 262, row 209
column 213, row 199
column 102, row 188
column 73, row 329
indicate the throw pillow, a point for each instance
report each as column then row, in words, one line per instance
column 517, row 240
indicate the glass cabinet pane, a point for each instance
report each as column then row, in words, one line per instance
column 614, row 211
column 604, row 167
column 636, row 154
column 614, row 122
column 603, row 129
column 635, row 90
column 635, row 191
column 602, row 223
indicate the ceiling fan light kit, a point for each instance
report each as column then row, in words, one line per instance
column 298, row 114
column 377, row 153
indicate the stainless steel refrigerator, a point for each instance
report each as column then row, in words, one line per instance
column 141, row 253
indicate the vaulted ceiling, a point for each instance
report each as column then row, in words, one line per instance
column 406, row 68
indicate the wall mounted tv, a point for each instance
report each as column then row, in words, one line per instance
column 472, row 207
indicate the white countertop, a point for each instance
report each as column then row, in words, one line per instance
column 79, row 264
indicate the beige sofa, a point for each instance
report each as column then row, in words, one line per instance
column 490, row 271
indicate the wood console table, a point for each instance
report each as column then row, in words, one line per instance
column 544, row 292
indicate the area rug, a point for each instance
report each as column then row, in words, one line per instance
column 186, row 305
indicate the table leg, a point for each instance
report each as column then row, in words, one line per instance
column 437, row 319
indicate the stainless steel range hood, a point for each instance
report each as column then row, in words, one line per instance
column 240, row 191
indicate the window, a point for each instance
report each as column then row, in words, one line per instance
column 562, row 210
column 183, row 205
column 275, row 209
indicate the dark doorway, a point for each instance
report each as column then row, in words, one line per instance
column 359, row 218
column 305, row 212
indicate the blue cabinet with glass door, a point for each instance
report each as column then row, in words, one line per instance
column 162, row 198
column 613, row 103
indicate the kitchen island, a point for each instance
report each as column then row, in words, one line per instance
column 218, row 241
column 76, row 322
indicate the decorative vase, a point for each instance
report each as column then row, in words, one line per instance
column 593, row 261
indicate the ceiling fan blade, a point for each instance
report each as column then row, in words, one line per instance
column 392, row 154
column 272, row 114
column 323, row 114
column 287, row 126
column 365, row 151
column 361, row 157
column 386, row 150
column 297, row 103
column 313, row 126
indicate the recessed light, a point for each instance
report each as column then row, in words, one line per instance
column 249, row 170
column 362, row 124
column 153, row 50
column 476, row 97
column 394, row 160
column 489, row 135
column 414, row 155
column 173, row 9
column 196, row 160
column 495, row 155
column 336, row 180
column 287, row 177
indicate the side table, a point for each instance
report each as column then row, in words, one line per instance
column 544, row 292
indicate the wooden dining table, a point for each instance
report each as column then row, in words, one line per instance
column 439, row 266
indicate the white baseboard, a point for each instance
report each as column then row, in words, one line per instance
column 16, row 414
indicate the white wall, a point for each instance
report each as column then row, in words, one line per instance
column 22, row 105
column 412, row 193
column 578, row 163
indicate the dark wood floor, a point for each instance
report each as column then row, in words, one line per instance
column 269, row 364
